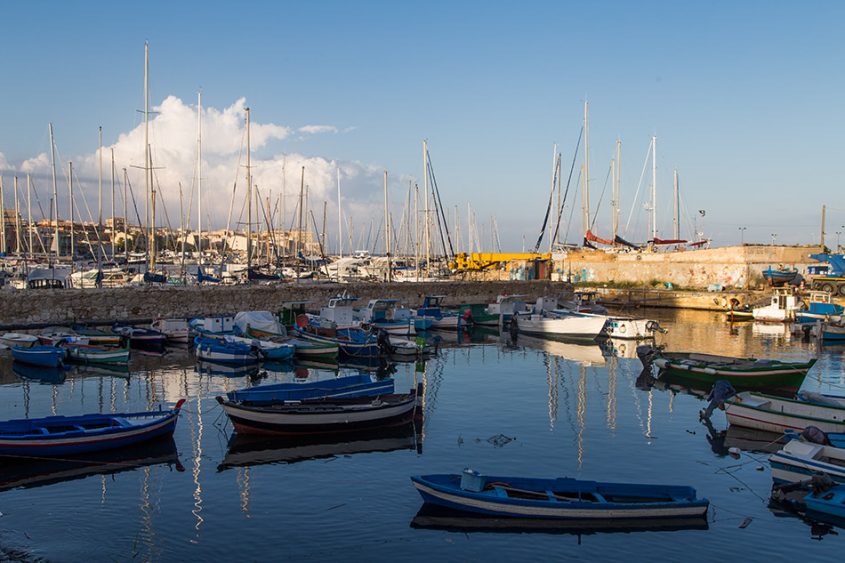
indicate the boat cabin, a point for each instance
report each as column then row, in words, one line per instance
column 339, row 313
column 49, row 278
column 384, row 310
column 431, row 306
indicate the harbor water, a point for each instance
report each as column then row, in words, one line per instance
column 532, row 407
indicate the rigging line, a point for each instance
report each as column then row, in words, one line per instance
column 571, row 211
column 90, row 218
column 566, row 192
column 137, row 214
column 268, row 221
column 639, row 185
column 439, row 205
column 35, row 192
column 164, row 208
column 601, row 197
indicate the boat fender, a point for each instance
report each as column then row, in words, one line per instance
column 709, row 371
column 623, row 329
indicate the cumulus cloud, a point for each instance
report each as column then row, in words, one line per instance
column 173, row 144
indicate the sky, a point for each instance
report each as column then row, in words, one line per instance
column 745, row 99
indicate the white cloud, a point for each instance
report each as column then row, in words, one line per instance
column 315, row 129
column 173, row 130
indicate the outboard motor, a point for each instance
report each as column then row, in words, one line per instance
column 383, row 341
column 646, row 355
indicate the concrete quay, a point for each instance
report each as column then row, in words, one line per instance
column 39, row 308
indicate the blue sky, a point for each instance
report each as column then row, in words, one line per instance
column 745, row 97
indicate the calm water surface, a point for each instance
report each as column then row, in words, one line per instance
column 538, row 408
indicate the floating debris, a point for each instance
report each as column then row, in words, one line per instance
column 500, row 440
column 746, row 522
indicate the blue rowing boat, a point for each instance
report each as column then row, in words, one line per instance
column 352, row 342
column 222, row 352
column 42, row 356
column 361, row 385
column 70, row 435
column 561, row 498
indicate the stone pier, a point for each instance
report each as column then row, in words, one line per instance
column 39, row 308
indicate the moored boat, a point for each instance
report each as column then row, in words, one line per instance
column 561, row 324
column 176, row 330
column 69, row 435
column 830, row 503
column 740, row 372
column 43, row 356
column 561, row 498
column 776, row 414
column 322, row 416
column 88, row 354
column 223, row 352
column 145, row 338
column 361, row 385
column 19, row 340
column 799, row 460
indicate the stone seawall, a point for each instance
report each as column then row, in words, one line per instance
column 34, row 308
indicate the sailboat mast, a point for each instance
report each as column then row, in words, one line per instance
column 554, row 185
column 199, row 175
column 112, row 205
column 125, row 218
column 387, row 231
column 653, row 187
column 616, row 185
column 100, row 183
column 29, row 213
column 417, row 231
column 586, row 195
column 339, row 224
column 248, row 195
column 70, row 190
column 426, row 227
column 55, row 197
column 676, row 231
column 150, row 188
column 2, row 218
column 17, row 220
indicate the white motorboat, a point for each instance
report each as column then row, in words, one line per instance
column 562, row 324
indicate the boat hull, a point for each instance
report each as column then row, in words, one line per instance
column 41, row 356
column 576, row 327
column 774, row 414
column 491, row 504
column 70, row 443
column 322, row 417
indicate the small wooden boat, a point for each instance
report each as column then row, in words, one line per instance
column 69, row 435
column 43, row 356
column 440, row 319
column 273, row 351
column 222, row 352
column 97, row 354
column 176, row 330
column 561, row 498
column 740, row 372
column 780, row 276
column 97, row 336
column 739, row 315
column 351, row 342
column 145, row 338
column 799, row 460
column 323, row 416
column 361, row 385
column 776, row 414
column 19, row 340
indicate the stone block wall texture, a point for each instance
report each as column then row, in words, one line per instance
column 44, row 307
column 738, row 267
